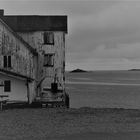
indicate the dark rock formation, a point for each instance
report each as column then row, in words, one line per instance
column 78, row 70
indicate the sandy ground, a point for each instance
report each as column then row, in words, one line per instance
column 65, row 124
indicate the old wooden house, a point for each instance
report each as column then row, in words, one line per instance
column 32, row 60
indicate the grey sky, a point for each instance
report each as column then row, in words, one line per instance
column 103, row 34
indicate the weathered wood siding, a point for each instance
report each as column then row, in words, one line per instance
column 58, row 49
column 35, row 39
column 22, row 59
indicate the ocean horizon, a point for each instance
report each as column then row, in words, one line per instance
column 104, row 89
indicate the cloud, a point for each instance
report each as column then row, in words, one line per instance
column 121, row 20
column 124, row 51
column 117, row 28
column 102, row 34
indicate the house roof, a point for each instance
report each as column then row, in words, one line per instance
column 14, row 74
column 27, row 23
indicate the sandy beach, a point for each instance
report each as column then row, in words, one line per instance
column 84, row 123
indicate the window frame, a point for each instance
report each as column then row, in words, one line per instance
column 48, row 38
column 7, row 61
column 7, row 85
column 47, row 64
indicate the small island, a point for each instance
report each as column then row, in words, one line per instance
column 78, row 71
column 134, row 70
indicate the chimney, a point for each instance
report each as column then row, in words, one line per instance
column 1, row 12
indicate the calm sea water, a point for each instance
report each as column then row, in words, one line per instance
column 119, row 89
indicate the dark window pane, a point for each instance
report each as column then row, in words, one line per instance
column 48, row 38
column 9, row 61
column 48, row 60
column 5, row 61
column 45, row 38
column 51, row 38
column 7, row 85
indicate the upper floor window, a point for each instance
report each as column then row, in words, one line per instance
column 49, row 60
column 7, row 61
column 49, row 38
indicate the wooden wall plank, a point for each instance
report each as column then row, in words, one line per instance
column 21, row 56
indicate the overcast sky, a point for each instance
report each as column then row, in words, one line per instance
column 102, row 34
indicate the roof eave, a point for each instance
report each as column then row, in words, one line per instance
column 15, row 75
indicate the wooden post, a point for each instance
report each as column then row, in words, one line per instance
column 1, row 105
column 28, row 92
column 2, row 85
column 1, row 102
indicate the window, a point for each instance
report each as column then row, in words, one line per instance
column 7, row 61
column 7, row 86
column 49, row 60
column 49, row 38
